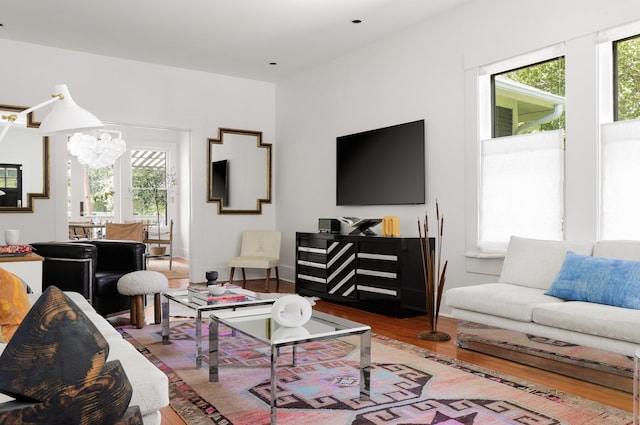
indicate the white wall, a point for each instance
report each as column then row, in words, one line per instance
column 422, row 73
column 129, row 92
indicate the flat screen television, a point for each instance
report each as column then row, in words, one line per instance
column 385, row 166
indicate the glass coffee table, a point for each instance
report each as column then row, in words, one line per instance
column 182, row 297
column 257, row 323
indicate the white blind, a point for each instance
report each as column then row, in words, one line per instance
column 620, row 168
column 521, row 188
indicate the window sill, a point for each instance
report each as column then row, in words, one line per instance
column 481, row 255
column 489, row 263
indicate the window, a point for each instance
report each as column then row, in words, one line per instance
column 114, row 192
column 150, row 182
column 522, row 164
column 98, row 193
column 11, row 185
column 620, row 146
column 529, row 99
column 626, row 69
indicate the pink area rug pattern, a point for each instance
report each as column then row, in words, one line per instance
column 409, row 385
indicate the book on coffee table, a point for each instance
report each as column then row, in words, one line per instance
column 208, row 299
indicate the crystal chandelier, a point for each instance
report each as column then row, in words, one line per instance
column 98, row 149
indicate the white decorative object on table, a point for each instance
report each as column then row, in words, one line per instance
column 291, row 311
column 285, row 333
column 11, row 236
column 217, row 289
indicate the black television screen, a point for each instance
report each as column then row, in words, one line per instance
column 382, row 167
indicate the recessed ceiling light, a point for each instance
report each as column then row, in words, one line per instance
column 356, row 21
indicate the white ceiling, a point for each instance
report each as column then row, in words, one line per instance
column 232, row 37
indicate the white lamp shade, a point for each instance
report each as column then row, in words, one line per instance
column 66, row 116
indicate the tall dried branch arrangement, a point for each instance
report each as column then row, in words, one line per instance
column 434, row 274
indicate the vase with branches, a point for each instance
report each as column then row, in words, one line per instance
column 434, row 274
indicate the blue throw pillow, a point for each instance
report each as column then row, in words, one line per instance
column 598, row 280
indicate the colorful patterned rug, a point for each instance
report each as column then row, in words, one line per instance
column 409, row 385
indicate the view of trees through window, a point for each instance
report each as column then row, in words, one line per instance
column 150, row 185
column 101, row 192
column 626, row 55
column 529, row 99
column 149, row 190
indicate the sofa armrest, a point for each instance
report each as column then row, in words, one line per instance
column 119, row 256
column 69, row 266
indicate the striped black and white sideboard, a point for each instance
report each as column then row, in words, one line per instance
column 373, row 273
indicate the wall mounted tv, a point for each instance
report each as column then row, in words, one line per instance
column 385, row 166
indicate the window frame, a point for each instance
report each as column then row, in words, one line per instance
column 486, row 109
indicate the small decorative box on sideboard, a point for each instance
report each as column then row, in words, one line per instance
column 372, row 273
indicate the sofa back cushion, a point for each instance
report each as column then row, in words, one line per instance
column 536, row 262
column 624, row 250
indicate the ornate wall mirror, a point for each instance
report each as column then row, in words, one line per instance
column 24, row 164
column 239, row 171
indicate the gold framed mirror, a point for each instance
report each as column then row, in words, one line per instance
column 24, row 164
column 239, row 171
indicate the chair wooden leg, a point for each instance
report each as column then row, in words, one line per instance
column 233, row 269
column 277, row 280
column 132, row 310
column 266, row 284
column 244, row 278
column 139, row 312
column 157, row 308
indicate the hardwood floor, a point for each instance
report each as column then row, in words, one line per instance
column 406, row 330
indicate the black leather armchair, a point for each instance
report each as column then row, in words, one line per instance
column 91, row 267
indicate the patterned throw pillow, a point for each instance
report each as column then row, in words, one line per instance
column 14, row 303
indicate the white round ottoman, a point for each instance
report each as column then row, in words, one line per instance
column 140, row 283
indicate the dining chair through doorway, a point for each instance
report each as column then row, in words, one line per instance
column 124, row 231
column 159, row 237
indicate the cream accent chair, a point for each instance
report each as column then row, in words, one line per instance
column 260, row 250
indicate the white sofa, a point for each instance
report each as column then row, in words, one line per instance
column 515, row 319
column 150, row 385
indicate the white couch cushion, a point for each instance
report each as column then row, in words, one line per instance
column 150, row 384
column 499, row 299
column 624, row 250
column 590, row 318
column 536, row 262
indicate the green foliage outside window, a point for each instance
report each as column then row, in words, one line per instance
column 150, row 191
column 101, row 188
column 627, row 70
column 549, row 77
